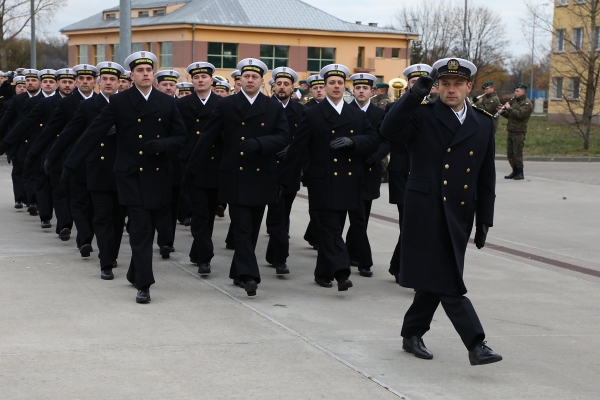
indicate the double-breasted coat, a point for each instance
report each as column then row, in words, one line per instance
column 143, row 179
column 244, row 179
column 452, row 180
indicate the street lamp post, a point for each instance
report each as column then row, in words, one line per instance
column 124, row 31
column 465, row 32
column 33, row 46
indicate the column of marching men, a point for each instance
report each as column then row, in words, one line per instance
column 150, row 150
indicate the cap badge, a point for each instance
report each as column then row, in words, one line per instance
column 361, row 76
column 143, row 54
column 453, row 65
column 418, row 67
column 109, row 65
column 335, row 66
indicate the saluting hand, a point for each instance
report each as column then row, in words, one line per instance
column 422, row 87
column 480, row 235
column 249, row 146
column 341, row 143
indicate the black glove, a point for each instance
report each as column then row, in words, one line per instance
column 47, row 166
column 187, row 182
column 370, row 161
column 480, row 235
column 3, row 148
column 422, row 87
column 67, row 173
column 283, row 152
column 250, row 146
column 341, row 143
column 155, row 146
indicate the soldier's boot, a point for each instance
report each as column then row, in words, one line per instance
column 512, row 174
column 519, row 175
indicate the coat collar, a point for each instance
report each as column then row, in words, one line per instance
column 446, row 116
column 468, row 128
column 143, row 106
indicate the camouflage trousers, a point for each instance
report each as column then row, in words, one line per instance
column 514, row 149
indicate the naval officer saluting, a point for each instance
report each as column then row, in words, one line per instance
column 149, row 131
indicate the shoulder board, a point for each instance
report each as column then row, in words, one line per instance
column 425, row 101
column 481, row 110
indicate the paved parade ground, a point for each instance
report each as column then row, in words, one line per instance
column 65, row 333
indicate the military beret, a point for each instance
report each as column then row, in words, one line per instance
column 521, row 86
column 487, row 84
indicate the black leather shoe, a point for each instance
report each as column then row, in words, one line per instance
column 482, row 355
column 143, row 296
column 204, row 268
column 115, row 264
column 165, row 252
column 519, row 175
column 239, row 283
column 107, row 274
column 187, row 221
column 366, row 271
column 85, row 250
column 172, row 249
column 18, row 204
column 65, row 234
column 353, row 263
column 220, row 211
column 344, row 284
column 250, row 287
column 281, row 268
column 323, row 282
column 46, row 224
column 32, row 209
column 512, row 174
column 416, row 346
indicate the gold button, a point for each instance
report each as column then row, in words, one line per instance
column 212, row 158
column 41, row 124
column 243, row 123
column 335, row 160
column 349, row 173
column 470, row 153
column 446, row 166
column 57, row 135
column 466, row 186
column 213, row 145
column 445, row 182
column 262, row 124
column 141, row 152
column 141, row 169
column 335, row 173
column 157, row 169
column 277, row 161
column 102, row 158
column 444, row 199
column 101, row 144
column 157, row 136
column 157, row 153
column 296, row 125
column 468, row 170
column 197, row 120
column 449, row 150
column 139, row 120
column 462, row 203
column 370, row 169
column 351, row 131
column 241, row 153
column 257, row 169
column 140, row 136
column 243, row 138
column 332, row 131
column 197, row 133
column 159, row 120
column 25, row 140
column 349, row 160
column 241, row 168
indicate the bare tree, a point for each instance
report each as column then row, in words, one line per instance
column 579, row 60
column 15, row 15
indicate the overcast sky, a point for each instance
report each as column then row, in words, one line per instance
column 380, row 11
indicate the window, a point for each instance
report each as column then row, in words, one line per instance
column 110, row 16
column 318, row 57
column 557, row 88
column 274, row 56
column 142, row 14
column 99, row 53
column 574, row 86
column 136, row 47
column 597, row 39
column 579, row 1
column 166, row 54
column 562, row 3
column 223, row 55
column 114, row 51
column 158, row 13
column 560, row 37
column 396, row 53
column 577, row 39
column 82, row 54
column 379, row 79
column 378, row 52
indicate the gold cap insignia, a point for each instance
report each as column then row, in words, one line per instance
column 453, row 65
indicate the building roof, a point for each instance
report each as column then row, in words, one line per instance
column 291, row 14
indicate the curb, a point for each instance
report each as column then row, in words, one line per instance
column 502, row 157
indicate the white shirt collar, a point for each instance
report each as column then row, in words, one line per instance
column 48, row 95
column 250, row 99
column 462, row 114
column 339, row 107
column 146, row 96
column 206, row 99
column 365, row 107
column 84, row 96
column 284, row 105
column 107, row 100
column 32, row 95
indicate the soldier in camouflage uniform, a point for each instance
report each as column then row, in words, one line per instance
column 381, row 98
column 489, row 101
column 518, row 115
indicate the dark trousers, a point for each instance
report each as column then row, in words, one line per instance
column 395, row 262
column 60, row 202
column 277, row 227
column 28, row 180
column 141, row 237
column 245, row 225
column 82, row 211
column 357, row 240
column 185, row 202
column 167, row 224
column 17, row 181
column 332, row 260
column 43, row 192
column 458, row 308
column 229, row 237
column 109, row 218
column 312, row 230
column 204, row 205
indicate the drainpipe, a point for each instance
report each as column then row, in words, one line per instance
column 193, row 42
